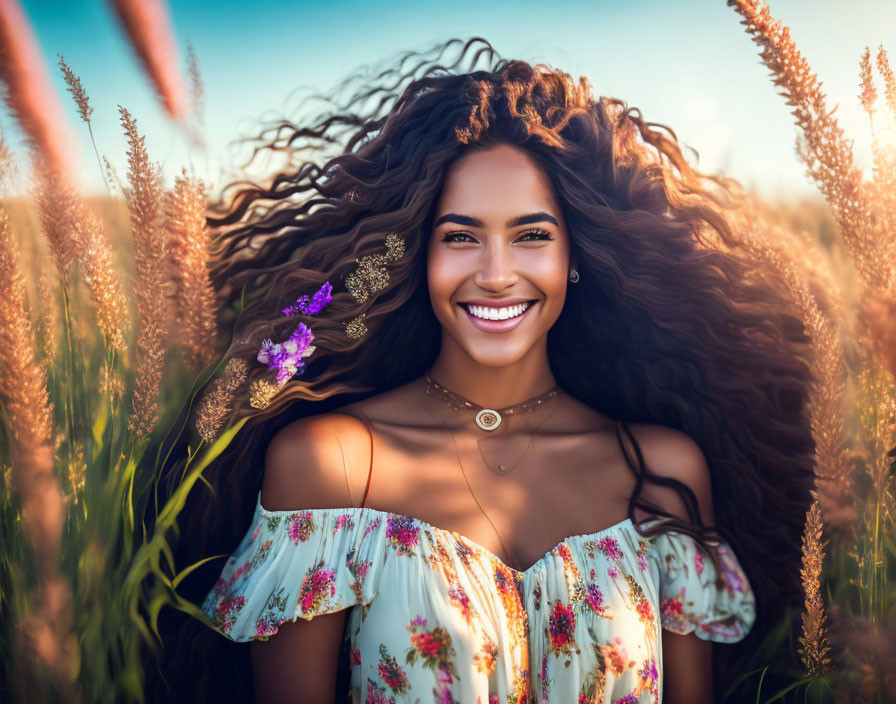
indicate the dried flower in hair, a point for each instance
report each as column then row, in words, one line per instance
column 356, row 327
column 286, row 357
column 261, row 393
column 371, row 275
column 314, row 305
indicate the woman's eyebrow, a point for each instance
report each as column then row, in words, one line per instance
column 470, row 221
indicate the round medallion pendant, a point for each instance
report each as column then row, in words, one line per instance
column 487, row 419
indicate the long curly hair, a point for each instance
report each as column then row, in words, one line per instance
column 671, row 322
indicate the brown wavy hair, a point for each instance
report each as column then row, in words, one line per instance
column 670, row 324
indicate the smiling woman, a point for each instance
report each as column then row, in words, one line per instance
column 529, row 458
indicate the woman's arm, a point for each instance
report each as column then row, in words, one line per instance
column 687, row 659
column 304, row 468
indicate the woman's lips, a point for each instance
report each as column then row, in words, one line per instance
column 497, row 325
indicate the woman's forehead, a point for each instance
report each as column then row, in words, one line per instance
column 496, row 182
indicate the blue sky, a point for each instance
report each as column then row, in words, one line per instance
column 687, row 64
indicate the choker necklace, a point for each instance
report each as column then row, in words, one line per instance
column 504, row 451
column 486, row 418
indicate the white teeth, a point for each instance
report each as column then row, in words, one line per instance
column 489, row 313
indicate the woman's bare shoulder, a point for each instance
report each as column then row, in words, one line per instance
column 313, row 462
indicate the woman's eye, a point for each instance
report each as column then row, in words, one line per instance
column 537, row 234
column 450, row 237
column 529, row 236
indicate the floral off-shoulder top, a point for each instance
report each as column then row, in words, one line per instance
column 435, row 617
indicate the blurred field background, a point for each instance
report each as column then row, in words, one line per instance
column 833, row 238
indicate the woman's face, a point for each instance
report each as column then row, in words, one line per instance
column 498, row 249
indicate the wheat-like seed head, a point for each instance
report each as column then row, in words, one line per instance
column 197, row 91
column 76, row 89
column 813, row 641
column 826, row 152
column 144, row 198
column 215, row 406
column 22, row 380
column 48, row 315
column 828, row 380
column 102, row 278
column 190, row 246
column 57, row 201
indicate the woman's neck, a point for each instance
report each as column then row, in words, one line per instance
column 493, row 386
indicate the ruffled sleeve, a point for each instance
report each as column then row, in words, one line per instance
column 691, row 600
column 296, row 564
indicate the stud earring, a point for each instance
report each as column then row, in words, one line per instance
column 573, row 276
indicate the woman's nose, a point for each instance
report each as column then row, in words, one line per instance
column 496, row 268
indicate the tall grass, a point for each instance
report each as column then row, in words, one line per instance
column 851, row 588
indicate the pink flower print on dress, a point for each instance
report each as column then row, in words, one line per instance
column 372, row 526
column 672, row 612
column 698, row 562
column 610, row 547
column 354, row 656
column 612, row 572
column 265, row 627
column 461, row 600
column 402, row 532
column 562, row 628
column 627, row 699
column 391, row 672
column 645, row 611
column 343, row 521
column 648, row 677
column 300, row 526
column 228, row 608
column 316, row 588
column 443, row 687
column 376, row 694
column 595, row 598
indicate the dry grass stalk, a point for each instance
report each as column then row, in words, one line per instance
column 197, row 92
column 144, row 198
column 826, row 153
column 7, row 163
column 80, row 96
column 828, row 386
column 814, row 644
column 146, row 23
column 190, row 245
column 46, row 632
column 29, row 93
column 883, row 185
column 74, row 231
column 112, row 176
column 215, row 406
column 57, row 201
column 48, row 315
column 77, row 90
column 102, row 277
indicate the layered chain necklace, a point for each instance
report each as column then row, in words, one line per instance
column 501, row 453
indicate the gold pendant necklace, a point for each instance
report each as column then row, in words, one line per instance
column 510, row 448
column 486, row 418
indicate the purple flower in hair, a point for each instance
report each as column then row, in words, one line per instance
column 286, row 357
column 313, row 305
